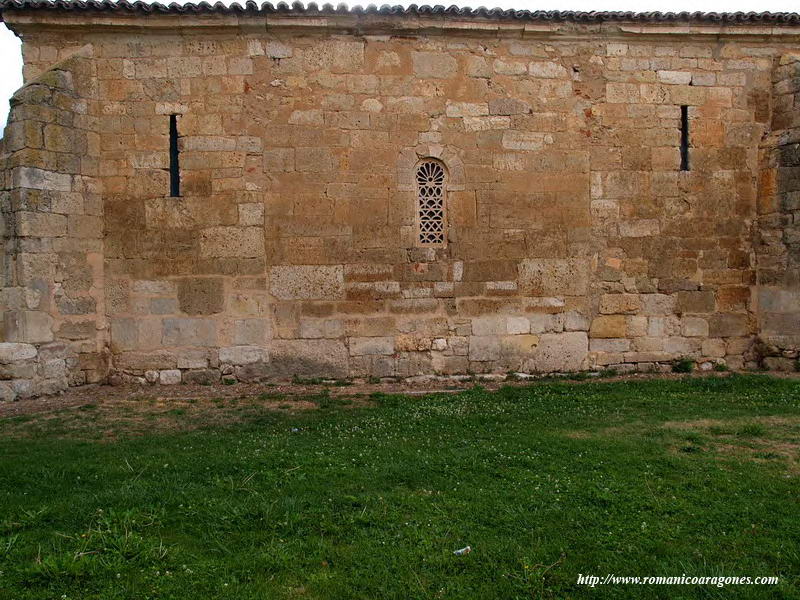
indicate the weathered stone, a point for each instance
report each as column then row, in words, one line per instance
column 371, row 345
column 169, row 377
column 609, row 326
column 238, row 242
column 553, row 277
column 559, row 352
column 189, row 332
column 307, row 282
column 201, row 377
column 433, row 65
column 242, row 355
column 201, row 296
column 13, row 352
column 484, row 348
column 318, row 358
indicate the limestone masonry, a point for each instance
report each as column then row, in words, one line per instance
column 193, row 195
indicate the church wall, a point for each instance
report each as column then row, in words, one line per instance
column 573, row 238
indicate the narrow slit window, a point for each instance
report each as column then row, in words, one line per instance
column 684, row 138
column 174, row 158
column 430, row 203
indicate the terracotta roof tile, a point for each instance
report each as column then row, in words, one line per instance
column 313, row 9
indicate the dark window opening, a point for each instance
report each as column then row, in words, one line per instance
column 684, row 138
column 174, row 158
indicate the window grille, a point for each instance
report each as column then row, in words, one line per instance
column 430, row 203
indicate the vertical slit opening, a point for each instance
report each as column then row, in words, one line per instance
column 684, row 138
column 174, row 158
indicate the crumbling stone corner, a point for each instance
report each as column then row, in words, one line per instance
column 52, row 332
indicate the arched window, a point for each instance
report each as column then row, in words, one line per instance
column 430, row 202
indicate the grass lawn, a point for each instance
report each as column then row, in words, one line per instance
column 369, row 497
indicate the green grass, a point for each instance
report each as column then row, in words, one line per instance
column 369, row 500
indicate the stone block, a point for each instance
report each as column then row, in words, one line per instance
column 169, row 377
column 609, row 326
column 694, row 327
column 490, row 325
column 466, row 109
column 192, row 359
column 40, row 179
column 368, row 346
column 28, row 326
column 619, row 304
column 410, row 342
column 657, row 304
column 189, row 332
column 242, row 355
column 508, row 106
column 251, row 213
column 35, row 224
column 546, row 69
column 12, row 352
column 124, row 334
column 317, row 358
column 728, row 325
column 232, row 242
column 250, row 332
column 201, row 377
column 713, row 348
column 559, row 352
column 201, row 295
column 307, row 282
column 484, row 347
column 695, row 302
column 433, row 65
column 553, row 276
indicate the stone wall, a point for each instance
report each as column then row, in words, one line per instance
column 51, row 333
column 778, row 232
column 574, row 240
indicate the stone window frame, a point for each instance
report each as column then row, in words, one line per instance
column 407, row 165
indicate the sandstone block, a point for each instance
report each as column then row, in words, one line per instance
column 553, row 276
column 728, row 325
column 189, row 332
column 508, row 106
column 546, row 69
column 490, row 325
column 40, row 179
column 124, row 334
column 484, row 347
column 307, row 282
column 169, row 377
column 361, row 346
column 201, row 377
column 714, row 348
column 233, row 242
column 609, row 326
column 559, row 352
column 523, row 140
column 694, row 327
column 616, row 304
column 409, row 342
column 201, row 295
column 318, row 358
column 696, row 302
column 433, row 65
column 466, row 109
column 35, row 224
column 657, row 304
column 275, row 49
column 12, row 352
column 192, row 359
column 242, row 355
